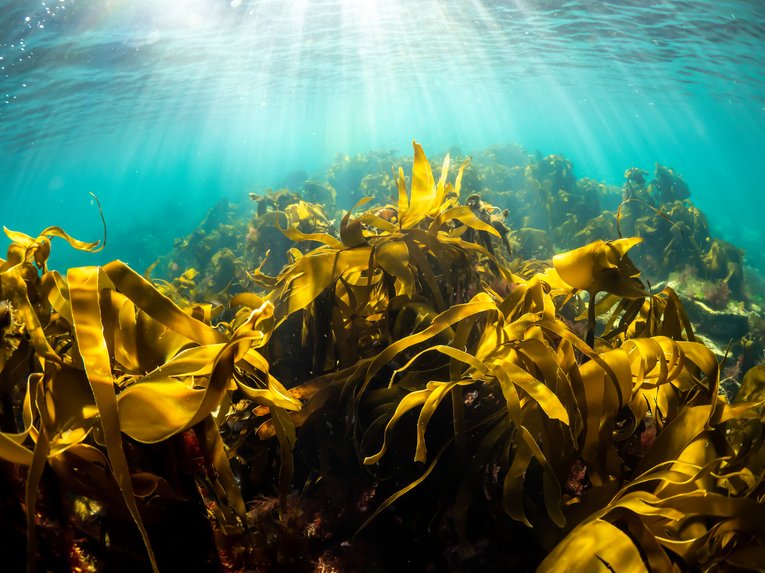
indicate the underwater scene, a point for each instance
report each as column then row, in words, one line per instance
column 329, row 286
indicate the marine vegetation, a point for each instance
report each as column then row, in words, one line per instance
column 405, row 392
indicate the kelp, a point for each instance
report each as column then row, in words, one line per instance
column 701, row 509
column 638, row 401
column 545, row 208
column 115, row 358
column 528, row 355
column 345, row 288
column 568, row 401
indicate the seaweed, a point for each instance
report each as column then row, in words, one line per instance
column 553, row 401
column 558, row 415
column 115, row 360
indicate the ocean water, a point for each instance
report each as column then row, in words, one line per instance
column 163, row 107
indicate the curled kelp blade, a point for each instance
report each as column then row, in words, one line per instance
column 159, row 307
column 423, row 193
column 84, row 287
column 351, row 230
column 669, row 511
column 595, row 546
column 154, row 411
column 672, row 524
column 24, row 248
column 601, row 266
column 117, row 320
column 295, row 235
column 464, row 215
column 70, row 408
column 753, row 385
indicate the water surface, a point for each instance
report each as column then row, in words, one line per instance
column 161, row 108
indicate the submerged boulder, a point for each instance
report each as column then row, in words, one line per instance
column 730, row 323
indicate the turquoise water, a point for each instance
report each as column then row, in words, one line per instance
column 161, row 108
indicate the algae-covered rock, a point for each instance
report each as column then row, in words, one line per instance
column 666, row 186
column 725, row 262
column 732, row 323
column 531, row 243
column 321, row 194
column 346, row 173
column 223, row 269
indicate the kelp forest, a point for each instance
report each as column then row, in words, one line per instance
column 480, row 364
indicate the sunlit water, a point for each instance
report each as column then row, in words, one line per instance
column 161, row 108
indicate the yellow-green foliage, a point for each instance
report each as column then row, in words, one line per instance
column 614, row 446
column 563, row 401
column 112, row 356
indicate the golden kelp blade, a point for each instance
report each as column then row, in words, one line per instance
column 600, row 266
column 595, row 546
column 112, row 312
column 464, row 215
column 27, row 249
column 153, row 411
column 84, row 288
column 147, row 298
column 617, row 455
column 13, row 451
column 423, row 194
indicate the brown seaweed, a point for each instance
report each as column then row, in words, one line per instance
column 409, row 356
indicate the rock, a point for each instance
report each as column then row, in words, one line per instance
column 722, row 325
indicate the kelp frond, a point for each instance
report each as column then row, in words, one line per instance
column 122, row 359
column 570, row 399
column 635, row 401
